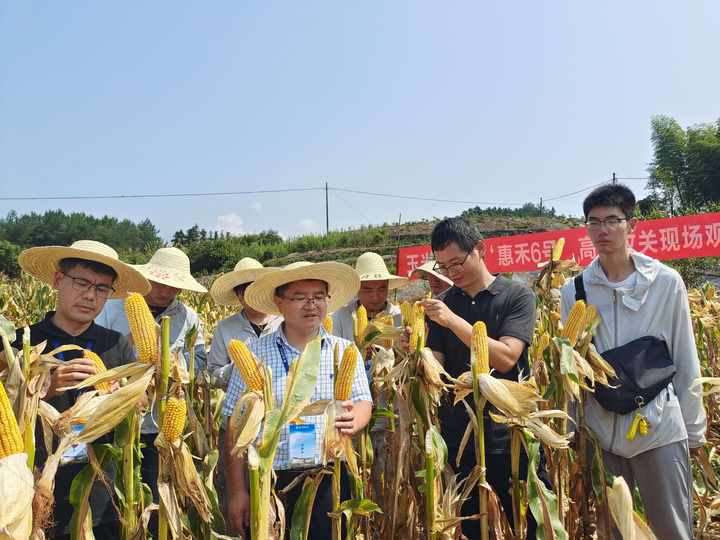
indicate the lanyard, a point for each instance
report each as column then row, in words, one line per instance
column 283, row 356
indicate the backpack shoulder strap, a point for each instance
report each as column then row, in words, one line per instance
column 580, row 288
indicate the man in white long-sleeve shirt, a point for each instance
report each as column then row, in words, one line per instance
column 247, row 324
column 637, row 296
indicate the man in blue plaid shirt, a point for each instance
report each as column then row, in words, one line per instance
column 302, row 293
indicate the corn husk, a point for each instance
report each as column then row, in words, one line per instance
column 16, row 496
column 246, row 421
column 630, row 525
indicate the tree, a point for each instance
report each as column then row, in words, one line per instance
column 685, row 170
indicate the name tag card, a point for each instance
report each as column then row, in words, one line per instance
column 76, row 453
column 302, row 445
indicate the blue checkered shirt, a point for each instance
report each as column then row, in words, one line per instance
column 267, row 350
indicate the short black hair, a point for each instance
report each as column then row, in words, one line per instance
column 459, row 230
column 65, row 265
column 280, row 290
column 240, row 289
column 611, row 195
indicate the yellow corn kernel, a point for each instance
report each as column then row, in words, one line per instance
column 328, row 324
column 103, row 387
column 479, row 343
column 573, row 324
column 11, row 441
column 361, row 322
column 346, row 373
column 558, row 249
column 417, row 334
column 406, row 309
column 247, row 365
column 174, row 419
column 591, row 313
column 142, row 328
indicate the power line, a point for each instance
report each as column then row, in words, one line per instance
column 152, row 195
column 429, row 199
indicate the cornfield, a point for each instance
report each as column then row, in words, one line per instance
column 401, row 481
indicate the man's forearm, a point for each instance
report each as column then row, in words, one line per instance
column 236, row 469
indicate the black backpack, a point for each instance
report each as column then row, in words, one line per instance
column 644, row 368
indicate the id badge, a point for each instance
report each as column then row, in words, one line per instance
column 77, row 453
column 302, row 445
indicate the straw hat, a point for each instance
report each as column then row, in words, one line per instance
column 246, row 270
column 427, row 268
column 343, row 284
column 371, row 267
column 42, row 262
column 170, row 266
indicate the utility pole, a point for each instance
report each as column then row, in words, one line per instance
column 327, row 211
column 614, row 180
column 541, row 206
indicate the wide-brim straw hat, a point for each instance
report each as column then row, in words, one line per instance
column 371, row 267
column 246, row 270
column 343, row 284
column 42, row 263
column 170, row 266
column 427, row 268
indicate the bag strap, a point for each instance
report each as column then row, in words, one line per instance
column 580, row 288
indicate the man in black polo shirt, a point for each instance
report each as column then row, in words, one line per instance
column 84, row 275
column 508, row 310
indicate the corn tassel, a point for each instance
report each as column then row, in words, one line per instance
column 142, row 328
column 102, row 387
column 174, row 419
column 11, row 441
column 573, row 325
column 346, row 374
column 247, row 365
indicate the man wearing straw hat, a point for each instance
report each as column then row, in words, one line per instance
column 84, row 275
column 302, row 293
column 246, row 324
column 168, row 272
column 439, row 284
column 375, row 284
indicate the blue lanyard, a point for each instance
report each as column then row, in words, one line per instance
column 283, row 357
column 56, row 343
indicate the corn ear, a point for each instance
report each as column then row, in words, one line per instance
column 328, row 324
column 574, row 323
column 557, row 249
column 174, row 419
column 247, row 365
column 142, row 328
column 11, row 441
column 102, row 387
column 479, row 347
column 346, row 374
column 361, row 322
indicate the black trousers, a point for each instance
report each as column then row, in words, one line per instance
column 149, row 468
column 320, row 522
column 499, row 476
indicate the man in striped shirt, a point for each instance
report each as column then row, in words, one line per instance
column 302, row 293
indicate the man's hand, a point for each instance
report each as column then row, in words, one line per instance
column 345, row 422
column 239, row 511
column 69, row 374
column 437, row 311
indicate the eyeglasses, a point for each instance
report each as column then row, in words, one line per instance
column 301, row 300
column 612, row 222
column 454, row 267
column 84, row 285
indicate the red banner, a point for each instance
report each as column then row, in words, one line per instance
column 670, row 238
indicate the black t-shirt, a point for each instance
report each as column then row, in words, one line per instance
column 114, row 349
column 508, row 309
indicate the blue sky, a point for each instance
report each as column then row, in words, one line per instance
column 481, row 101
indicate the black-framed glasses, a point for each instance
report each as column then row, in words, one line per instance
column 84, row 285
column 447, row 269
column 302, row 299
column 612, row 222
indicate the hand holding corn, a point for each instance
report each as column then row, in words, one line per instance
column 437, row 311
column 69, row 374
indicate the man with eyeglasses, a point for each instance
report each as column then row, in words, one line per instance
column 302, row 293
column 84, row 275
column 508, row 309
column 639, row 297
